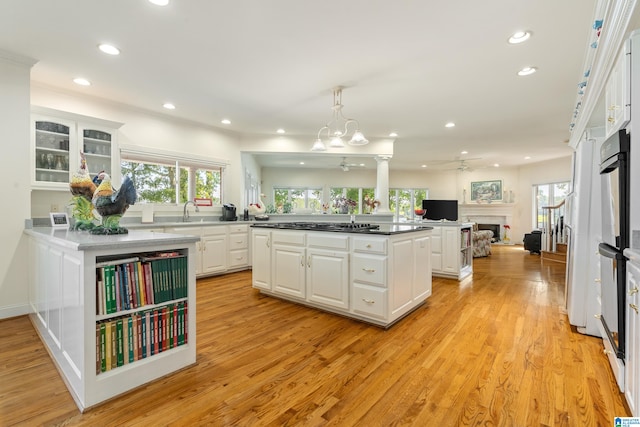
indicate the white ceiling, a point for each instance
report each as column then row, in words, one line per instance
column 408, row 67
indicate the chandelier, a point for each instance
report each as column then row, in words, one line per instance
column 338, row 127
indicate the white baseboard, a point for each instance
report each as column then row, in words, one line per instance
column 14, row 310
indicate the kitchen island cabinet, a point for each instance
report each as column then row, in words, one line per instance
column 70, row 304
column 632, row 353
column 376, row 278
column 452, row 251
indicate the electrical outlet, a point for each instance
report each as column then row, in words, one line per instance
column 55, row 208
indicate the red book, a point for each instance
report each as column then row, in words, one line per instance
column 155, row 331
column 175, row 325
column 186, row 324
column 165, row 328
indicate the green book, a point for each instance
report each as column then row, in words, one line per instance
column 119, row 343
column 103, row 347
column 131, row 340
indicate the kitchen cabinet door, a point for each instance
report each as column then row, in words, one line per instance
column 214, row 250
column 422, row 279
column 289, row 268
column 618, row 94
column 328, row 277
column 261, row 259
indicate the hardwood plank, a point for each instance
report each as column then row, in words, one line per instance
column 495, row 349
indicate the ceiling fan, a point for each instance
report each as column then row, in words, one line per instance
column 464, row 166
column 346, row 166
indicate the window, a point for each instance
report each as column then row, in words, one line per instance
column 547, row 195
column 171, row 178
column 403, row 201
column 291, row 199
column 358, row 200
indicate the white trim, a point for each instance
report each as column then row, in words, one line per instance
column 144, row 154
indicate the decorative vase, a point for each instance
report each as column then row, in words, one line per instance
column 344, row 209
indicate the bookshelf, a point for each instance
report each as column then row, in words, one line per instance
column 107, row 326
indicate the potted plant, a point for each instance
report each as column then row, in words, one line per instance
column 505, row 238
column 344, row 205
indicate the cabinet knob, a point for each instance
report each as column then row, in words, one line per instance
column 309, row 262
column 269, row 242
column 635, row 307
column 368, row 246
column 597, row 316
column 607, row 352
column 611, row 120
column 597, row 280
column 368, row 301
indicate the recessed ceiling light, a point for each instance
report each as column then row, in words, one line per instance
column 169, row 106
column 450, row 125
column 109, row 49
column 519, row 37
column 526, row 71
column 82, row 82
column 496, row 165
column 527, row 157
column 281, row 131
column 159, row 2
column 393, row 134
column 464, row 152
column 302, row 163
column 423, row 166
column 225, row 121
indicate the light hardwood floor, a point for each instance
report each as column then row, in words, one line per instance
column 496, row 349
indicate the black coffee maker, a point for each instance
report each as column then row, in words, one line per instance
column 228, row 213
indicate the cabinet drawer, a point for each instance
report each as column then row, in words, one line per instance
column 328, row 240
column 370, row 269
column 369, row 300
column 238, row 258
column 372, row 246
column 288, row 238
column 238, row 228
column 238, row 241
column 214, row 230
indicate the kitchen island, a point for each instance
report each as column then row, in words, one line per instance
column 376, row 273
column 76, row 292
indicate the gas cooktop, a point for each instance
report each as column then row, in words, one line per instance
column 321, row 226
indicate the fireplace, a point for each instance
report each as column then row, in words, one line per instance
column 493, row 227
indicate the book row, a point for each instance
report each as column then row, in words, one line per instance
column 126, row 339
column 135, row 282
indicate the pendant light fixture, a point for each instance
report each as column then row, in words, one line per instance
column 338, row 127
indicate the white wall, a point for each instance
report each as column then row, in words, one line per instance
column 147, row 129
column 14, row 175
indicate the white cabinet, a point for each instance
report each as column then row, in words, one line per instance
column 211, row 250
column 238, row 241
column 618, row 93
column 451, row 250
column 375, row 278
column 57, row 139
column 66, row 294
column 327, row 276
column 288, row 264
column 261, row 258
column 632, row 362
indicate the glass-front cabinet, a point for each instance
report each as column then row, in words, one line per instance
column 58, row 138
column 52, row 150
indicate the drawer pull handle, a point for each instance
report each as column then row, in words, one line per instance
column 597, row 280
column 368, row 301
column 369, row 270
column 238, row 241
column 635, row 307
column 368, row 246
column 633, row 291
column 597, row 316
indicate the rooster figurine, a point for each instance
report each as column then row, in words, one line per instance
column 111, row 204
column 82, row 189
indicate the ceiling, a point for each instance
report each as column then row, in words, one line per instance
column 407, row 67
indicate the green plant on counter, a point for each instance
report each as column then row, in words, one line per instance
column 287, row 207
column 270, row 209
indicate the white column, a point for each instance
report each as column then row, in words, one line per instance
column 382, row 183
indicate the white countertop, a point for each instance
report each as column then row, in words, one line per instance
column 82, row 240
column 633, row 255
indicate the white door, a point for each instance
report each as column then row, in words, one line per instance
column 288, row 267
column 328, row 277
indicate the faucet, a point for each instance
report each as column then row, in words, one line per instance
column 185, row 212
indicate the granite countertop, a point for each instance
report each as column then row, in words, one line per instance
column 384, row 229
column 82, row 240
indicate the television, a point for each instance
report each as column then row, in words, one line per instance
column 438, row 210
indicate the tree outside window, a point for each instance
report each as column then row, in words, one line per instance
column 404, row 201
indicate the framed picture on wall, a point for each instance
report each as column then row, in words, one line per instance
column 487, row 191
